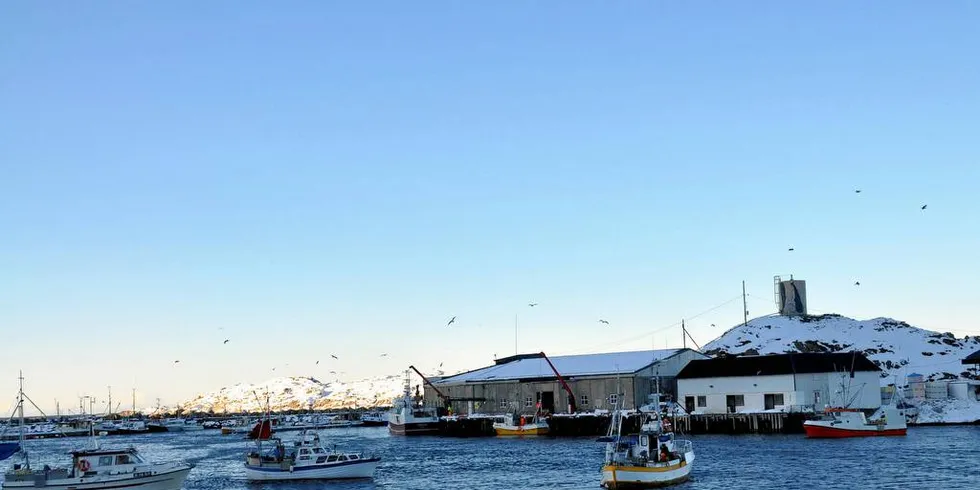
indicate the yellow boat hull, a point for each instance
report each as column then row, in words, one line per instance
column 527, row 430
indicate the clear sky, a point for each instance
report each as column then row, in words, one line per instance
column 316, row 178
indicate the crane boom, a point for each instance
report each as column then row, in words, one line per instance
column 426, row 381
column 571, row 396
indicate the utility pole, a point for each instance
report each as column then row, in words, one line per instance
column 684, row 334
column 516, row 352
column 134, row 402
column 109, row 408
column 745, row 307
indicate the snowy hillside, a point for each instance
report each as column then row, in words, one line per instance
column 296, row 393
column 896, row 347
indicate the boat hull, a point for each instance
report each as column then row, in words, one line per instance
column 521, row 431
column 173, row 480
column 817, row 431
column 620, row 477
column 364, row 468
column 414, row 428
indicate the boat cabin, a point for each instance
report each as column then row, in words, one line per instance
column 101, row 461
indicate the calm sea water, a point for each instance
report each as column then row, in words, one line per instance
column 934, row 457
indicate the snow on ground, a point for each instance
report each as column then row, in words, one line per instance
column 898, row 348
column 298, row 393
column 948, row 412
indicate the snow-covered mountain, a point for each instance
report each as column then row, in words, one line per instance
column 898, row 348
column 297, row 393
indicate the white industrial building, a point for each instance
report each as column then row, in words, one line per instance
column 779, row 382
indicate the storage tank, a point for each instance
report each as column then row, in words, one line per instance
column 937, row 390
column 959, row 390
column 917, row 387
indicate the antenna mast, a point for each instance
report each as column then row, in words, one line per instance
column 745, row 307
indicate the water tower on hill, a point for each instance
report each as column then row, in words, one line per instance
column 790, row 296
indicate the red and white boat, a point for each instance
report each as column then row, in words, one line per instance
column 847, row 422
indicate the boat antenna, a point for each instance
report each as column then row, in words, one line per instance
column 20, row 408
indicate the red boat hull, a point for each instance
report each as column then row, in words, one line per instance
column 819, row 431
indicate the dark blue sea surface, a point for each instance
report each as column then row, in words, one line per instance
column 929, row 457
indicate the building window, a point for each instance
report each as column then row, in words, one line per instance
column 702, row 401
column 529, row 402
column 503, row 404
column 583, row 400
column 772, row 400
column 734, row 401
column 613, row 399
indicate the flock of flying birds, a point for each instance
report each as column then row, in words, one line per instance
column 532, row 305
column 858, row 191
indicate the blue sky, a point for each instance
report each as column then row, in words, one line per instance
column 313, row 178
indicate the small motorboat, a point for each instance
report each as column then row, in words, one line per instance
column 847, row 422
column 506, row 426
column 374, row 419
column 305, row 459
column 652, row 458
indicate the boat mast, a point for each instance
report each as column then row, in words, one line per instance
column 20, row 409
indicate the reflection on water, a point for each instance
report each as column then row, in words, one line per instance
column 938, row 457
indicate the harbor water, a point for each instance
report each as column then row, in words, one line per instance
column 929, row 457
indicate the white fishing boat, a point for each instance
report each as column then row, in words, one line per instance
column 407, row 419
column 306, row 459
column 95, row 469
column 652, row 458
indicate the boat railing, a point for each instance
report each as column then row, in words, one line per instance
column 682, row 446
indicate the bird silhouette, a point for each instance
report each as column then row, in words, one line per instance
column 175, row 362
column 532, row 305
column 333, row 372
column 857, row 283
column 226, row 341
column 791, row 249
column 335, row 357
column 440, row 364
column 857, row 191
column 712, row 324
column 924, row 206
column 384, row 355
column 318, row 363
column 451, row 321
column 603, row 321
column 273, row 369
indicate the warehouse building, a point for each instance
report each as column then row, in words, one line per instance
column 779, row 382
column 519, row 383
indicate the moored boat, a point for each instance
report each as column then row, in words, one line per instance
column 407, row 419
column 506, row 426
column 844, row 422
column 306, row 459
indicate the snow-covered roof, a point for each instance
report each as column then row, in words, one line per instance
column 531, row 367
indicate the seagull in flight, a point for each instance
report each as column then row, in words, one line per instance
column 226, row 341
column 440, row 364
column 712, row 324
column 318, row 363
column 924, row 207
column 857, row 191
column 451, row 321
column 857, row 283
column 335, row 357
column 383, row 355
column 177, row 361
column 532, row 305
column 791, row 249
column 603, row 321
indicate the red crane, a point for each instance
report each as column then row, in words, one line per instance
column 571, row 396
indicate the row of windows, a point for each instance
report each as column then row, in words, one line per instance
column 583, row 400
column 771, row 400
